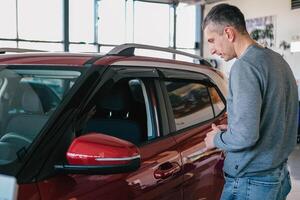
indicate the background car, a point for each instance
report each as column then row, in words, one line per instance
column 115, row 126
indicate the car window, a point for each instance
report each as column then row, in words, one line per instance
column 190, row 103
column 27, row 101
column 142, row 92
column 58, row 87
column 123, row 110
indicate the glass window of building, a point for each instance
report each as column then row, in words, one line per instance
column 185, row 36
column 147, row 30
column 40, row 20
column 81, row 20
column 111, row 27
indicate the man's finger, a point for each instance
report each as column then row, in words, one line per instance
column 215, row 128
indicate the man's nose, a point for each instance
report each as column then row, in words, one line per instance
column 212, row 51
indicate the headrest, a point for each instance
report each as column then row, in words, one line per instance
column 116, row 100
column 31, row 101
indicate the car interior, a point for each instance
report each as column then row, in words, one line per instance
column 25, row 113
column 28, row 122
column 120, row 111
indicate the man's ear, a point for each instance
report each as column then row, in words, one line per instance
column 229, row 33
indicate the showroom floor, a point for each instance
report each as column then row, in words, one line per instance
column 294, row 166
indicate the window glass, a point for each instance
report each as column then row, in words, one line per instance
column 185, row 26
column 57, row 87
column 147, row 30
column 82, row 48
column 106, row 49
column 8, row 19
column 154, row 53
column 41, row 46
column 123, row 110
column 29, row 97
column 141, row 97
column 217, row 102
column 40, row 20
column 190, row 103
column 11, row 44
column 81, row 21
column 111, row 27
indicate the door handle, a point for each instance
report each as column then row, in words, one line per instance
column 166, row 170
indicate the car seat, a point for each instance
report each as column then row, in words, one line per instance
column 116, row 106
column 22, row 128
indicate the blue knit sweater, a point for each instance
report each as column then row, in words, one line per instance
column 262, row 107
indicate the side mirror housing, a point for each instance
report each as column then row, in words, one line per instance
column 97, row 153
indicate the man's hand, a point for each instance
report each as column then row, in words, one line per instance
column 209, row 140
column 223, row 127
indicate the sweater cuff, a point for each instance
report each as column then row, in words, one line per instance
column 218, row 140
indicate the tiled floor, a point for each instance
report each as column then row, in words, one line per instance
column 294, row 166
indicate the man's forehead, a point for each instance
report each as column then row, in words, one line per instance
column 209, row 31
column 212, row 29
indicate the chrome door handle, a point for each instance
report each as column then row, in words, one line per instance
column 166, row 170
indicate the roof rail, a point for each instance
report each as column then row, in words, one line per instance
column 129, row 48
column 18, row 50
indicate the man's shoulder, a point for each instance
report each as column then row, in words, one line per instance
column 244, row 62
column 259, row 57
column 256, row 54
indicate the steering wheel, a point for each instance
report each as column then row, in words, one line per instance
column 16, row 140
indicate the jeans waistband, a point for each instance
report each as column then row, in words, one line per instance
column 261, row 173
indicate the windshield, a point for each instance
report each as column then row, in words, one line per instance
column 28, row 97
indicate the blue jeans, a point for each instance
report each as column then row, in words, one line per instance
column 274, row 185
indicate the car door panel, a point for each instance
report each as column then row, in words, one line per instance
column 191, row 108
column 159, row 176
column 202, row 168
column 28, row 191
column 83, row 187
column 157, row 157
column 141, row 184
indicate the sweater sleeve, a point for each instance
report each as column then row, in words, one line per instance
column 244, row 109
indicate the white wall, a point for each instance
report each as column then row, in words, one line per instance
column 287, row 26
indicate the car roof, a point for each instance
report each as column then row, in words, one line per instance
column 120, row 52
column 85, row 59
column 78, row 59
column 63, row 58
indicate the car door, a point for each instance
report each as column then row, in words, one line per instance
column 34, row 160
column 194, row 103
column 159, row 176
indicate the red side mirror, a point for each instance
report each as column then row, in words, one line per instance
column 97, row 149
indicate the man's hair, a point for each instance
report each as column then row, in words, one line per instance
column 225, row 15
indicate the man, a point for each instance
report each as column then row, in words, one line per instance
column 262, row 107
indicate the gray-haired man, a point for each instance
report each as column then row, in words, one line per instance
column 262, row 106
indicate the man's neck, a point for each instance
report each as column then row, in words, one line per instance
column 242, row 43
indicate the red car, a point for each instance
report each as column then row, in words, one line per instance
column 114, row 126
